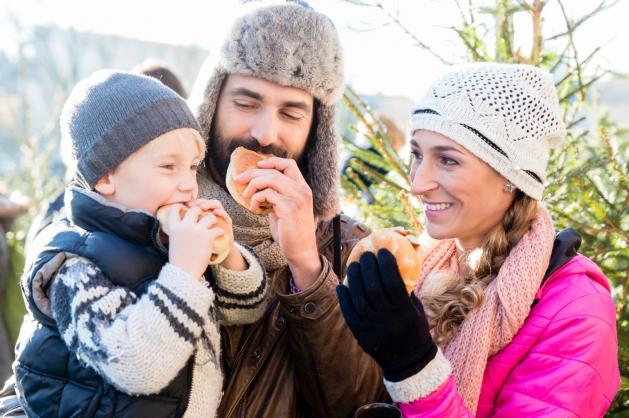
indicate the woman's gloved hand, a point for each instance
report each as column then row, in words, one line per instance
column 389, row 325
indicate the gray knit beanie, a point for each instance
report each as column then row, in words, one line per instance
column 291, row 45
column 111, row 114
column 508, row 115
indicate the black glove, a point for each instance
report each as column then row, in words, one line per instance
column 388, row 324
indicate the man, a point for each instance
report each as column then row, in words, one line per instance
column 274, row 89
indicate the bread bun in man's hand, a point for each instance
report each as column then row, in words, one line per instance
column 222, row 244
column 401, row 244
column 243, row 159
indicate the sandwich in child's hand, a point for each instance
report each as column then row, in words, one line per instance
column 222, row 244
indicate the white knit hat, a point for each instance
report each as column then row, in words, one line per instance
column 508, row 115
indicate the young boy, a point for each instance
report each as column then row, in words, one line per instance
column 121, row 325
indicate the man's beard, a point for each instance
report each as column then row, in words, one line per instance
column 220, row 150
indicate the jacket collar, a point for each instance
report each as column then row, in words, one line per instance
column 565, row 260
column 92, row 212
column 565, row 247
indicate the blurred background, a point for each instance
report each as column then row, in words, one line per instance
column 393, row 50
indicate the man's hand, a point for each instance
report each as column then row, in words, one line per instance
column 279, row 182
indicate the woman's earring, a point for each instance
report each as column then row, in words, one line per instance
column 508, row 187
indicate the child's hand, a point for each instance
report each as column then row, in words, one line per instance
column 234, row 260
column 191, row 239
column 211, row 205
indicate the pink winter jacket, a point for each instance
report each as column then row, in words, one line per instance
column 562, row 363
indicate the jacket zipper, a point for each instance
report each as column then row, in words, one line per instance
column 236, row 361
column 155, row 239
column 241, row 352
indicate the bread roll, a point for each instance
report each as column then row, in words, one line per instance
column 222, row 244
column 401, row 244
column 241, row 160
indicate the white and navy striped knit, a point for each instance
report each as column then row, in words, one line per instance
column 139, row 344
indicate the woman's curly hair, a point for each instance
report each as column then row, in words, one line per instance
column 446, row 311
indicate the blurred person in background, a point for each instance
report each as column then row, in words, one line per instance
column 160, row 71
column 10, row 209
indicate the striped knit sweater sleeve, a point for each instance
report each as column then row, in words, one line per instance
column 122, row 336
column 241, row 295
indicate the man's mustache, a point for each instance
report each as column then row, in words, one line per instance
column 253, row 145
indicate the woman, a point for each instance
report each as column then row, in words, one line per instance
column 501, row 321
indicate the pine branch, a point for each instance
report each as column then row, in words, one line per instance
column 365, row 169
column 570, row 31
column 419, row 228
column 582, row 64
column 366, row 155
column 573, row 123
column 595, row 204
column 560, row 60
column 472, row 47
column 582, row 88
column 535, row 10
column 613, row 155
column 358, row 181
column 394, row 19
column 391, row 156
column 624, row 296
column 418, row 42
column 602, row 6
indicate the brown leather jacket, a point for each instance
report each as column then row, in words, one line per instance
column 300, row 359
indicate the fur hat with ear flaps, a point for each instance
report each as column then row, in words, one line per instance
column 290, row 45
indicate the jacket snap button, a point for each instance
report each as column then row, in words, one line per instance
column 257, row 354
column 279, row 323
column 310, row 307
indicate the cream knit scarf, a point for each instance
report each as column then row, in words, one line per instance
column 508, row 298
column 249, row 229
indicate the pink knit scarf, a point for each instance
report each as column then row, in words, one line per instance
column 508, row 298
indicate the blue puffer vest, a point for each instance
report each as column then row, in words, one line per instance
column 53, row 382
